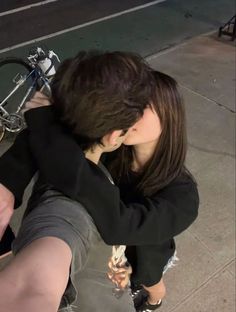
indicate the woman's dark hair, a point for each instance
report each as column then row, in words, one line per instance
column 167, row 161
column 96, row 92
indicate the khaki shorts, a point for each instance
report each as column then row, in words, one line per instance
column 89, row 289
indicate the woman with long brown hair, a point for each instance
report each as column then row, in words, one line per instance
column 151, row 166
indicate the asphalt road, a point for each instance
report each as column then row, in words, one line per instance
column 67, row 26
column 51, row 17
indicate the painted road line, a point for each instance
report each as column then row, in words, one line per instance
column 26, row 7
column 99, row 20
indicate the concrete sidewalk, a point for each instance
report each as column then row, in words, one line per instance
column 204, row 279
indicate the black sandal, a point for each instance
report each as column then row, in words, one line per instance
column 139, row 295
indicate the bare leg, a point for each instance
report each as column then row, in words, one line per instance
column 156, row 292
column 36, row 278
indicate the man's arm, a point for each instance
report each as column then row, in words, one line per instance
column 17, row 167
column 6, row 211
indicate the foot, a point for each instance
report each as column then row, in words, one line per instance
column 147, row 307
column 135, row 291
column 139, row 295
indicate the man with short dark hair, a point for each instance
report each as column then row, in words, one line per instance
column 99, row 96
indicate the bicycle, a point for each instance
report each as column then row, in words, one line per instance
column 27, row 76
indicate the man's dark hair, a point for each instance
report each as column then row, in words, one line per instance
column 95, row 93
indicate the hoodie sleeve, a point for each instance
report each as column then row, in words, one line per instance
column 17, row 167
column 151, row 221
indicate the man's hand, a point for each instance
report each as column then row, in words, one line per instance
column 7, row 201
column 38, row 100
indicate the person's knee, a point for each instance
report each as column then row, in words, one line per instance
column 24, row 297
column 41, row 268
column 49, row 260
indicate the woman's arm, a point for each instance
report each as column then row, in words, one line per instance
column 156, row 219
column 63, row 164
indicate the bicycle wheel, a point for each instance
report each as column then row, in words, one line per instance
column 13, row 73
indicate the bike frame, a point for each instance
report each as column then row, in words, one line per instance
column 40, row 72
column 38, row 75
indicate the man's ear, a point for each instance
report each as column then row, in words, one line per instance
column 112, row 138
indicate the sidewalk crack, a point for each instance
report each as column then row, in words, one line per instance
column 214, row 152
column 209, row 99
column 196, row 290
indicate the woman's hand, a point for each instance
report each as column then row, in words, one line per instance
column 119, row 274
column 38, row 100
